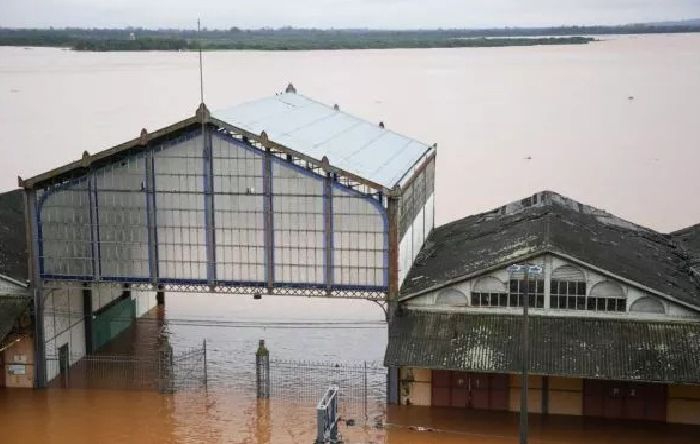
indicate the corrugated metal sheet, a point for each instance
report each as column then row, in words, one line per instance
column 318, row 130
column 593, row 348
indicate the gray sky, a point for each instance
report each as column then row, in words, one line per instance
column 339, row 13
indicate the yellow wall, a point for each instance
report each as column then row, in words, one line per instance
column 565, row 396
column 21, row 352
column 534, row 394
column 416, row 386
column 683, row 404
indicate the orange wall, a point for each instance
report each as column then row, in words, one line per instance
column 21, row 353
column 683, row 404
column 416, row 386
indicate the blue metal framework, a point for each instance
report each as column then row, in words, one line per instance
column 153, row 165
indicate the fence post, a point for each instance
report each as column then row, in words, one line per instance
column 365, row 391
column 206, row 375
column 262, row 370
column 165, row 371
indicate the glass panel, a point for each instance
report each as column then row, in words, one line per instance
column 621, row 305
column 513, row 286
column 580, row 302
column 581, row 288
column 590, row 303
column 553, row 287
column 475, row 299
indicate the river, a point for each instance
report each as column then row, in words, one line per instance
column 613, row 124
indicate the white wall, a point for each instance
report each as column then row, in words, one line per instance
column 63, row 324
column 145, row 301
column 412, row 241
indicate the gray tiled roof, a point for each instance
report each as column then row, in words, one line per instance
column 13, row 241
column 595, row 348
column 548, row 222
column 10, row 308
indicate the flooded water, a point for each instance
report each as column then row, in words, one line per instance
column 613, row 124
column 567, row 108
column 89, row 416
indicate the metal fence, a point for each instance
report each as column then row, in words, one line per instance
column 361, row 386
column 165, row 371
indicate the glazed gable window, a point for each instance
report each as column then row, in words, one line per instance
column 489, row 292
column 567, row 289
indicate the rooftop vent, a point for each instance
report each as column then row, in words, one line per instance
column 290, row 89
column 381, row 124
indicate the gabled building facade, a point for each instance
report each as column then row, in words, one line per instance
column 281, row 195
column 615, row 315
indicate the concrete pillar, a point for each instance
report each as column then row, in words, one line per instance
column 262, row 371
column 87, row 319
column 160, row 295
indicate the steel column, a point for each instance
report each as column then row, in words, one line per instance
column 151, row 219
column 268, row 222
column 32, row 228
column 328, row 231
column 209, row 222
column 94, row 225
column 525, row 350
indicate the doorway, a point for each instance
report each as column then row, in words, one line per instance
column 479, row 391
column 624, row 400
column 64, row 364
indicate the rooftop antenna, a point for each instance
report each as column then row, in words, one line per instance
column 201, row 70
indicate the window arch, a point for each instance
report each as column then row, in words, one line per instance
column 489, row 292
column 607, row 296
column 567, row 288
column 648, row 305
column 450, row 296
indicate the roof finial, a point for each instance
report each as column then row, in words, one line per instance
column 291, row 89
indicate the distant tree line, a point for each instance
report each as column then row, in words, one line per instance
column 288, row 38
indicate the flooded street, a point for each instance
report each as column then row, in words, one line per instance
column 89, row 416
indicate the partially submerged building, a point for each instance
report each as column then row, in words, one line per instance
column 283, row 195
column 614, row 319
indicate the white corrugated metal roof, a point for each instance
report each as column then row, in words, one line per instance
column 318, row 130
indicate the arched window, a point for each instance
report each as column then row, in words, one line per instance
column 535, row 290
column 606, row 296
column 567, row 289
column 648, row 305
column 450, row 296
column 489, row 292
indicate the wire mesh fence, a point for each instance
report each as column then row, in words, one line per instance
column 165, row 371
column 361, row 385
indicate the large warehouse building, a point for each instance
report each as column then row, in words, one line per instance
column 614, row 323
column 283, row 195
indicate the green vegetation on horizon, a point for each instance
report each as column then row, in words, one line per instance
column 287, row 38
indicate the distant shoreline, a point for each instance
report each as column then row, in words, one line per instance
column 292, row 39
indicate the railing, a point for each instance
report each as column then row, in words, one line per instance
column 327, row 417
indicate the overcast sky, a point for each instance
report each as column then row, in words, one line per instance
column 339, row 13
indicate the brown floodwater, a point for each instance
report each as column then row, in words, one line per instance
column 105, row 416
column 612, row 124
